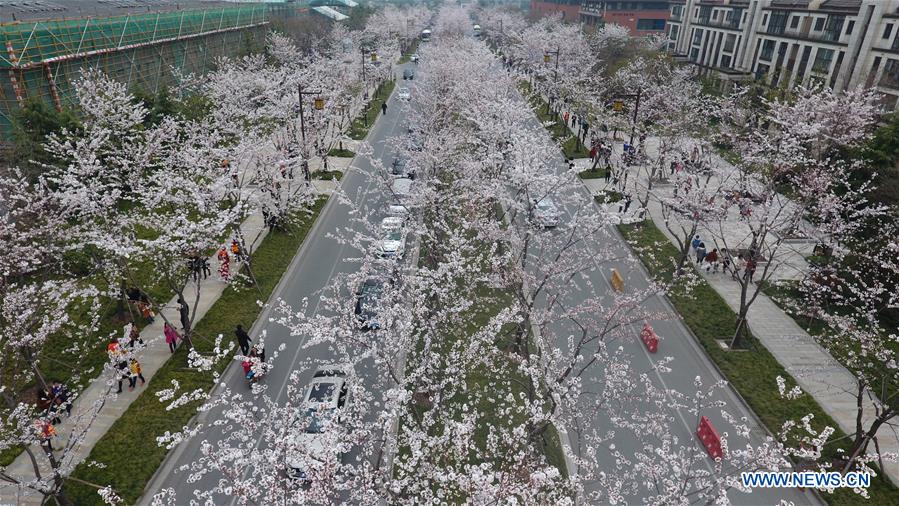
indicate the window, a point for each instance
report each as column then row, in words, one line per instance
column 849, row 27
column 694, row 54
column 890, row 75
column 651, row 24
column 834, row 28
column 729, row 42
column 778, row 23
column 705, row 13
column 822, row 60
column 677, row 10
column 765, row 19
column 819, row 24
column 761, row 71
column 895, row 46
column 674, row 31
column 794, row 22
column 887, row 30
column 697, row 37
column 767, row 50
column 725, row 61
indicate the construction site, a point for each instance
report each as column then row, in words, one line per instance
column 144, row 43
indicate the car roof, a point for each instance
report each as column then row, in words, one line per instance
column 324, row 390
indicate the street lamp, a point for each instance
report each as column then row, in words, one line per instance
column 547, row 58
column 618, row 105
column 319, row 104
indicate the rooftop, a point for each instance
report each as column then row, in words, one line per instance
column 32, row 10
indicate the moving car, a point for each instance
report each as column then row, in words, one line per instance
column 408, row 75
column 404, row 94
column 392, row 245
column 321, row 411
column 546, row 213
column 368, row 299
column 392, row 223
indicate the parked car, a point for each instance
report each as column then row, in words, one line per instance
column 400, row 168
column 408, row 75
column 546, row 213
column 368, row 300
column 327, row 396
column 392, row 245
column 404, row 94
column 414, row 58
column 402, row 187
column 397, row 210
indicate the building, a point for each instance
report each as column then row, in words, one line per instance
column 839, row 43
column 570, row 9
column 641, row 17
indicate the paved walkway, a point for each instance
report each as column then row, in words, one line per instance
column 831, row 385
column 98, row 406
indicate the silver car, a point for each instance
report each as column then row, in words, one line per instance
column 546, row 213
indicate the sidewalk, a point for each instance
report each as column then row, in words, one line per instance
column 831, row 385
column 98, row 406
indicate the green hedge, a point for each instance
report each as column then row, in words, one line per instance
column 129, row 450
column 752, row 373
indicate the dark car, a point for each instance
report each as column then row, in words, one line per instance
column 408, row 74
column 367, row 301
column 400, row 168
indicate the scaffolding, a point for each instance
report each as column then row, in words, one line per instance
column 43, row 58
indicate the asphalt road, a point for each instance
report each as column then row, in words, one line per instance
column 319, row 261
column 676, row 341
column 322, row 258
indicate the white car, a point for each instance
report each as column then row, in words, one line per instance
column 392, row 245
column 398, row 211
column 326, row 399
column 404, row 93
column 414, row 57
column 401, row 187
column 391, row 223
column 546, row 213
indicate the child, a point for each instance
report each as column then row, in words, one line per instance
column 135, row 373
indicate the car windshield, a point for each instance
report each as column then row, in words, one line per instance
column 545, row 205
column 321, row 392
column 371, row 289
column 394, row 235
column 404, row 90
column 316, row 419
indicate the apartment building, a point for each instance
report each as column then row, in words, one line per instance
column 570, row 9
column 840, row 43
column 641, row 17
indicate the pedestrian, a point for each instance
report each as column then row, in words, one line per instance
column 571, row 164
column 739, row 267
column 695, row 242
column 224, row 264
column 750, row 269
column 113, row 349
column 171, row 337
column 566, row 118
column 184, row 314
column 700, row 253
column 627, row 199
column 136, row 372
column 45, row 432
column 711, row 261
column 593, row 153
column 133, row 335
column 243, row 339
column 204, row 267
column 384, row 108
column 124, row 373
column 144, row 307
column 608, row 173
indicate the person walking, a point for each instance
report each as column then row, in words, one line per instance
column 136, row 372
column 384, row 108
column 124, row 373
column 700, row 253
column 750, row 269
column 695, row 242
column 711, row 261
column 134, row 336
column 171, row 337
column 224, row 264
column 243, row 339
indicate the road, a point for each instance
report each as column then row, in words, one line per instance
column 690, row 361
column 320, row 260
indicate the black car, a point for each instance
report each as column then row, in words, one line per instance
column 400, row 168
column 408, row 75
column 367, row 301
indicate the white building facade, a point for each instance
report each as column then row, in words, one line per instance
column 840, row 43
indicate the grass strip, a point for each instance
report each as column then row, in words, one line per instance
column 128, row 451
column 592, row 174
column 413, row 48
column 327, row 174
column 361, row 125
column 571, row 145
column 752, row 373
column 341, row 153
